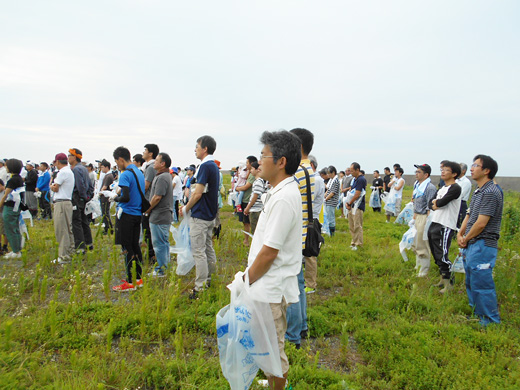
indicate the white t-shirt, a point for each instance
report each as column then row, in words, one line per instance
column 399, row 193
column 4, row 175
column 279, row 227
column 177, row 189
column 465, row 185
column 65, row 179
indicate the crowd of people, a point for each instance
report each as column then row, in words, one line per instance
column 275, row 196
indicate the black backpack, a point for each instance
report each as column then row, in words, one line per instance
column 314, row 238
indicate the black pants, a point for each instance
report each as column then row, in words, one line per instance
column 176, row 205
column 439, row 238
column 45, row 206
column 376, row 209
column 147, row 235
column 105, row 210
column 462, row 213
column 128, row 229
column 80, row 223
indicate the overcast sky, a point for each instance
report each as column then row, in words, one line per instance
column 377, row 82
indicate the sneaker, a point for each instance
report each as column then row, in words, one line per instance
column 59, row 260
column 12, row 255
column 309, row 290
column 354, row 248
column 194, row 294
column 156, row 274
column 124, row 287
column 139, row 283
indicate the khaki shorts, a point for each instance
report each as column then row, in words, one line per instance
column 279, row 311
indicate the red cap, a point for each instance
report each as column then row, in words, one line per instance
column 218, row 164
column 60, row 156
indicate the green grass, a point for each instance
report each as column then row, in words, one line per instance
column 373, row 324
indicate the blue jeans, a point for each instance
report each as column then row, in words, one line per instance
column 331, row 217
column 297, row 314
column 161, row 245
column 479, row 261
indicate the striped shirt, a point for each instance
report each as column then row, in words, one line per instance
column 332, row 186
column 259, row 189
column 302, row 183
column 487, row 200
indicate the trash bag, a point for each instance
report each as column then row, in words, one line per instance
column 246, row 336
column 356, row 204
column 406, row 215
column 427, row 226
column 375, row 200
column 181, row 236
column 24, row 232
column 458, row 263
column 27, row 215
column 93, row 207
column 390, row 200
column 408, row 240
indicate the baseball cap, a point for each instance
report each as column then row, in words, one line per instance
column 29, row 162
column 425, row 168
column 60, row 156
column 218, row 164
column 174, row 169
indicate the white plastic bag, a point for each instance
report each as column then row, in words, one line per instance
column 356, row 204
column 93, row 207
column 247, row 339
column 24, row 232
column 375, row 200
column 181, row 235
column 406, row 215
column 427, row 226
column 408, row 240
column 390, row 200
column 458, row 263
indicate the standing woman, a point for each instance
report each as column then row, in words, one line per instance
column 14, row 196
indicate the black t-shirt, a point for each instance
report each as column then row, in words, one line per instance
column 13, row 183
column 377, row 183
column 360, row 184
column 386, row 180
column 30, row 180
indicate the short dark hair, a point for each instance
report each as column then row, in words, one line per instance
column 340, row 172
column 105, row 163
column 306, row 139
column 152, row 148
column 396, row 165
column 375, row 170
column 324, row 171
column 165, row 158
column 356, row 166
column 386, row 169
column 45, row 165
column 488, row 163
column 332, row 169
column 123, row 152
column 207, row 141
column 362, row 171
column 139, row 158
column 251, row 159
column 255, row 165
column 454, row 166
column 399, row 169
column 14, row 166
column 284, row 144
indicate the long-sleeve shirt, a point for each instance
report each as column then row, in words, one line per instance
column 43, row 181
column 30, row 180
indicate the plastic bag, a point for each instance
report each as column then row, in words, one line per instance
column 247, row 339
column 181, row 235
column 24, row 232
column 408, row 240
column 356, row 204
column 375, row 200
column 427, row 226
column 458, row 263
column 390, row 200
column 406, row 215
column 93, row 207
column 27, row 215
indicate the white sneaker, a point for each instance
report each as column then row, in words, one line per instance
column 59, row 260
column 156, row 274
column 354, row 248
column 12, row 255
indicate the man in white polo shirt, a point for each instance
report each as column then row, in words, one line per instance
column 63, row 187
column 275, row 256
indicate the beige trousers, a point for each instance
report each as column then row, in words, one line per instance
column 420, row 246
column 201, row 233
column 311, row 271
column 355, row 224
column 63, row 228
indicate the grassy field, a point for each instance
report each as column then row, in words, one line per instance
column 373, row 324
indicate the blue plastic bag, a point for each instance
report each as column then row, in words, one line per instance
column 375, row 200
column 406, row 215
column 408, row 240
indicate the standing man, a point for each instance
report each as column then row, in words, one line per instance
column 479, row 234
column 30, row 187
column 386, row 180
column 161, row 212
column 149, row 154
column 465, row 186
column 247, row 190
column 397, row 185
column 355, row 221
column 42, row 185
column 83, row 191
column 128, row 222
column 297, row 313
column 445, row 208
column 108, row 179
column 275, row 256
column 377, row 186
column 331, row 199
column 177, row 191
column 63, row 187
column 423, row 193
column 203, row 204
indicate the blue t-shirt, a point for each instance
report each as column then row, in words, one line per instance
column 127, row 179
column 360, row 184
column 207, row 206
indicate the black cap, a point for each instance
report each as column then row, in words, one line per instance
column 425, row 168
